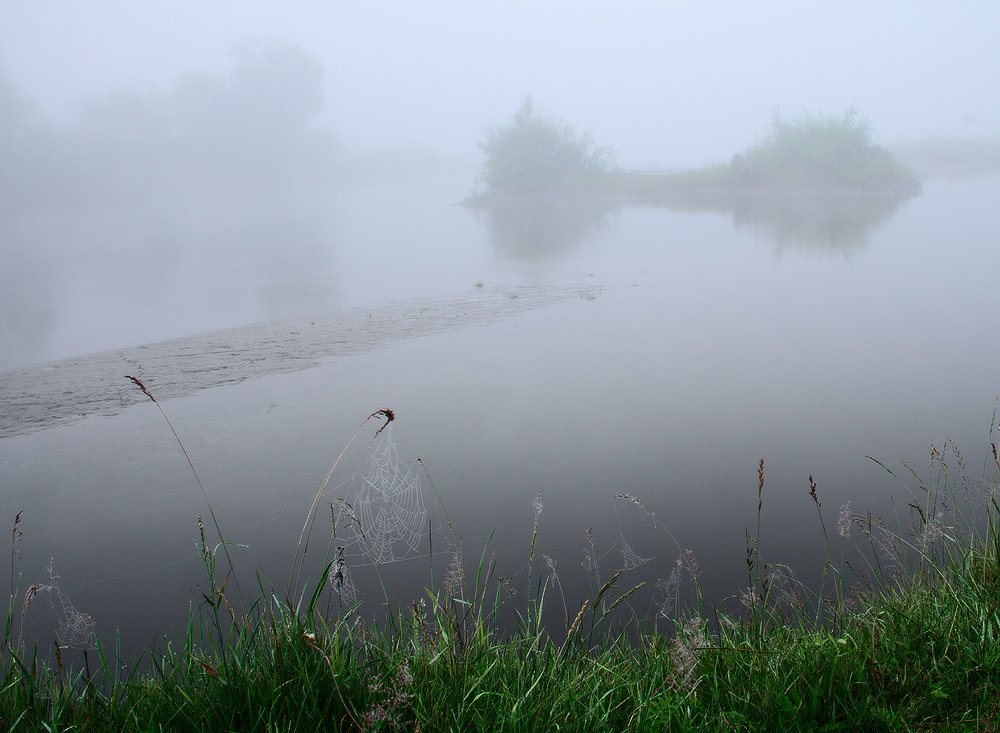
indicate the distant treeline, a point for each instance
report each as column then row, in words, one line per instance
column 812, row 154
column 255, row 127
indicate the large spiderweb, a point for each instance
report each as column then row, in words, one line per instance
column 382, row 514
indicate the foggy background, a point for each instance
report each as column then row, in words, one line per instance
column 668, row 84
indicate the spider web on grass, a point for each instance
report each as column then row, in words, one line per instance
column 382, row 514
column 73, row 629
column 630, row 558
column 342, row 581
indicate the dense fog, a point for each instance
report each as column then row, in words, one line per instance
column 667, row 84
column 243, row 126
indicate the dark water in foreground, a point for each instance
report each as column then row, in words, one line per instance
column 644, row 351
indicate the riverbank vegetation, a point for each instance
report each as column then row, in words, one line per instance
column 899, row 633
column 535, row 153
column 813, row 155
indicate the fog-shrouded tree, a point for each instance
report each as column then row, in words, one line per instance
column 249, row 130
column 32, row 154
column 276, row 88
column 121, row 145
column 15, row 110
column 259, row 121
column 534, row 153
column 15, row 113
column 823, row 151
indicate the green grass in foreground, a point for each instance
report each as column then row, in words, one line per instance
column 915, row 645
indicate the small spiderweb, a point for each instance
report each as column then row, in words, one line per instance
column 630, row 558
column 342, row 581
column 382, row 514
column 73, row 629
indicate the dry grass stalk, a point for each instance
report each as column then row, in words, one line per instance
column 15, row 535
column 303, row 543
column 197, row 478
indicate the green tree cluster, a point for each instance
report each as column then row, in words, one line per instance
column 535, row 152
column 822, row 152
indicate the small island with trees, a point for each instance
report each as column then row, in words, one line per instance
column 811, row 156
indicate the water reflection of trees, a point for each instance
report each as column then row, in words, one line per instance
column 836, row 223
column 26, row 314
column 152, row 274
column 538, row 227
column 542, row 226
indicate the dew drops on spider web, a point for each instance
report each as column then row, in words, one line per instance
column 73, row 629
column 382, row 516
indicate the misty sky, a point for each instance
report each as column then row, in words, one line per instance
column 666, row 83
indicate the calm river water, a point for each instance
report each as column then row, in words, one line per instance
column 575, row 353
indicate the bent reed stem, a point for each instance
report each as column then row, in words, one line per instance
column 306, row 533
column 211, row 511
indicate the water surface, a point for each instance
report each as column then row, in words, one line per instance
column 575, row 354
